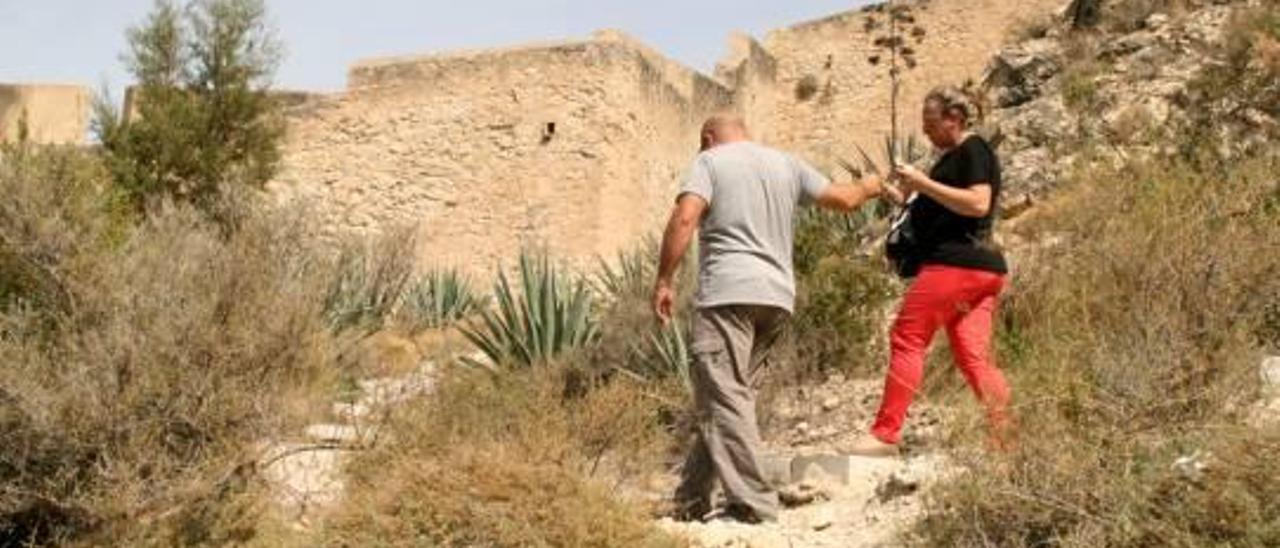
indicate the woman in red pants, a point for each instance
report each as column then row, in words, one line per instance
column 960, row 272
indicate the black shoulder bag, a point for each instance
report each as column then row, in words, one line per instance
column 901, row 247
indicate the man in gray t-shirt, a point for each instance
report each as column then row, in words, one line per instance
column 741, row 197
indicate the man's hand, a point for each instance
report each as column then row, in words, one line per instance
column 850, row 196
column 664, row 299
column 874, row 185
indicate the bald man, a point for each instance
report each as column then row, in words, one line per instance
column 741, row 197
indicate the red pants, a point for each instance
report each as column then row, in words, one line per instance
column 964, row 301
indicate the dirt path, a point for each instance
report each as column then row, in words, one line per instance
column 860, row 502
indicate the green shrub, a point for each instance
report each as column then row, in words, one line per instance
column 842, row 291
column 1080, row 86
column 549, row 313
column 839, row 320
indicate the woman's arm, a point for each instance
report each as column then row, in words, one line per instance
column 974, row 201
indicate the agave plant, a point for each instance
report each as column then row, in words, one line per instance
column 630, row 277
column 439, row 298
column 367, row 287
column 548, row 314
column 665, row 352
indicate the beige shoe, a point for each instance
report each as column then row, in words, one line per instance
column 870, row 446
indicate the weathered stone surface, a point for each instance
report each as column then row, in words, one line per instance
column 776, row 468
column 303, row 478
column 1269, row 374
column 380, row 392
column 851, row 105
column 575, row 146
column 53, row 114
column 1129, row 105
column 839, row 468
column 1020, row 73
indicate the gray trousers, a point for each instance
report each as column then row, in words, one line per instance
column 730, row 345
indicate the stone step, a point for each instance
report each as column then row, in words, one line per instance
column 303, row 477
column 826, row 468
column 341, row 433
column 385, row 391
column 842, row 469
column 352, row 413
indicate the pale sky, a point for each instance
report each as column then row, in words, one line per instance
column 80, row 41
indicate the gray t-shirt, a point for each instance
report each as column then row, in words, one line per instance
column 747, row 234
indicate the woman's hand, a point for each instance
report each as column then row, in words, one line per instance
column 911, row 179
column 972, row 201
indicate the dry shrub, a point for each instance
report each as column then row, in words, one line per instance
column 840, row 315
column 131, row 412
column 1133, row 342
column 508, row 460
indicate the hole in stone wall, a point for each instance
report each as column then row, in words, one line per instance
column 548, row 132
column 806, row 87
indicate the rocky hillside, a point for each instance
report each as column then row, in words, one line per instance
column 1131, row 84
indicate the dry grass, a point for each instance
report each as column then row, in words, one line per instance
column 510, row 460
column 1134, row 342
column 131, row 404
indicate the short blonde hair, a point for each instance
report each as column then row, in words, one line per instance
column 956, row 101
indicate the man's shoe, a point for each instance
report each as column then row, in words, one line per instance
column 871, row 446
column 690, row 511
column 738, row 513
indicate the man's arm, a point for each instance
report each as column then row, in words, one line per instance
column 850, row 196
column 675, row 242
column 974, row 201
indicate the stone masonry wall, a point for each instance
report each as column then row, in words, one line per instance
column 55, row 114
column 851, row 103
column 573, row 146
column 578, row 146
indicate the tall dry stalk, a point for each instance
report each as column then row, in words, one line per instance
column 895, row 79
column 901, row 57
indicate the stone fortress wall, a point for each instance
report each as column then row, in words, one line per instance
column 577, row 146
column 571, row 146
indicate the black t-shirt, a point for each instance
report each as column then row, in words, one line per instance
column 948, row 238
